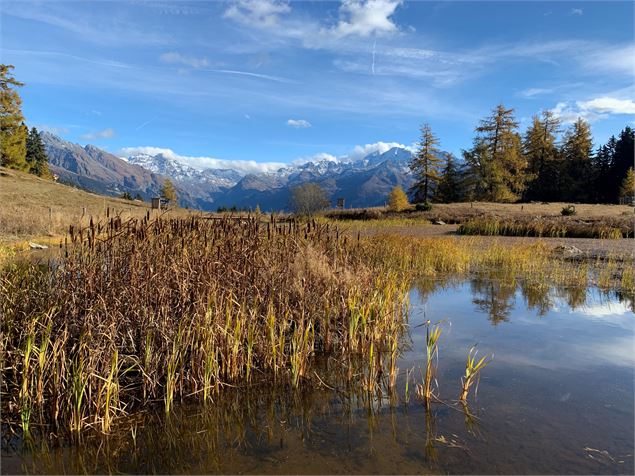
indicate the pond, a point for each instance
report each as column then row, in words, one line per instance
column 557, row 397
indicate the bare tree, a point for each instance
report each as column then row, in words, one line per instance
column 309, row 198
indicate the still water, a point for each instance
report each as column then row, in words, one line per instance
column 558, row 397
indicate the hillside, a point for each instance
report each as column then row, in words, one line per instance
column 27, row 199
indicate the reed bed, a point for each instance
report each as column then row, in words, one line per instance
column 142, row 312
column 551, row 227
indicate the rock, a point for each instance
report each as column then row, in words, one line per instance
column 438, row 222
column 567, row 250
column 37, row 246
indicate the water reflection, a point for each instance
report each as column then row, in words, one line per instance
column 561, row 381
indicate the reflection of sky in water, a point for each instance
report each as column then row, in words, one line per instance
column 561, row 381
column 598, row 333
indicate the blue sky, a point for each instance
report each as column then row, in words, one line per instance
column 269, row 81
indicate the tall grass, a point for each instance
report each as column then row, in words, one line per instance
column 140, row 312
column 551, row 227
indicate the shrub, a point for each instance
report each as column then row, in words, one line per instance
column 423, row 207
column 569, row 210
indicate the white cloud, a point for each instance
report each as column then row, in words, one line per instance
column 172, row 57
column 103, row 134
column 576, row 12
column 593, row 109
column 358, row 152
column 608, row 105
column 257, row 13
column 361, row 151
column 366, row 17
column 202, row 162
column 298, row 123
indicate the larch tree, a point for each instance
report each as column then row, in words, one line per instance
column 36, row 157
column 426, row 165
column 496, row 158
column 168, row 192
column 13, row 132
column 543, row 158
column 577, row 150
column 398, row 200
column 627, row 190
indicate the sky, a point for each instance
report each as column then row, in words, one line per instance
column 254, row 84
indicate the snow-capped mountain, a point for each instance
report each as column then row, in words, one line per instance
column 361, row 182
column 180, row 172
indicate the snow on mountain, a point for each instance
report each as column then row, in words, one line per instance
column 176, row 170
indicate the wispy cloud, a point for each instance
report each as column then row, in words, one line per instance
column 298, row 123
column 204, row 162
column 102, row 134
column 533, row 92
column 173, row 57
column 57, row 130
column 257, row 13
column 110, row 29
column 576, row 12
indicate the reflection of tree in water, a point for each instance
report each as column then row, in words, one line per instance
column 493, row 297
column 537, row 295
column 575, row 296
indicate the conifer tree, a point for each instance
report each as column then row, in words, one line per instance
column 578, row 170
column 426, row 165
column 543, row 158
column 168, row 192
column 398, row 200
column 602, row 163
column 36, row 157
column 627, row 190
column 622, row 159
column 496, row 159
column 13, row 132
column 450, row 185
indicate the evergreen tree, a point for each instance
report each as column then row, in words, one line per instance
column 627, row 190
column 543, row 158
column 496, row 159
column 622, row 160
column 450, row 185
column 426, row 165
column 398, row 200
column 13, row 132
column 36, row 157
column 602, row 164
column 577, row 175
column 168, row 192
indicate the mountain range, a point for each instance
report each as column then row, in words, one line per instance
column 361, row 183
